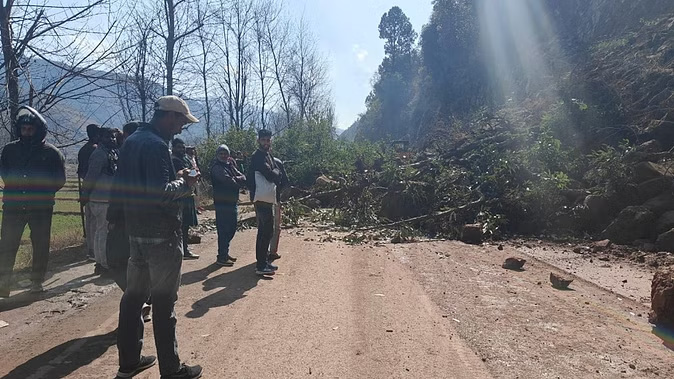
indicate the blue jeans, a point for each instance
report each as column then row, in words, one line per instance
column 226, row 217
column 154, row 269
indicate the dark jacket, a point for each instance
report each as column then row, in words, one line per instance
column 264, row 163
column 225, row 185
column 83, row 158
column 283, row 182
column 146, row 185
column 33, row 171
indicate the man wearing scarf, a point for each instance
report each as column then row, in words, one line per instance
column 33, row 171
column 227, row 181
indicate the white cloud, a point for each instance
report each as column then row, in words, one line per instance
column 360, row 53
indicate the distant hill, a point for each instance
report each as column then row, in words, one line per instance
column 350, row 133
column 94, row 102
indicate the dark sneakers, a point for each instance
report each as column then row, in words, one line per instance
column 265, row 271
column 190, row 255
column 227, row 263
column 186, row 372
column 144, row 364
column 272, row 267
column 36, row 288
column 231, row 258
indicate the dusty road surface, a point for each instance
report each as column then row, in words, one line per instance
column 422, row 310
column 331, row 311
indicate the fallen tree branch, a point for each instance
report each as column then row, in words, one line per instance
column 422, row 218
column 320, row 194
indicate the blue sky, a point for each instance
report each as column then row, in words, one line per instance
column 346, row 32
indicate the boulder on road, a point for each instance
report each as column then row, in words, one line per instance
column 664, row 223
column 602, row 245
column 632, row 223
column 472, row 234
column 661, row 204
column 662, row 298
column 654, row 187
column 665, row 241
column 559, row 281
column 514, row 263
column 648, row 170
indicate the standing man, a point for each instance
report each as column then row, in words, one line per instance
column 183, row 162
column 33, row 171
column 151, row 194
column 273, row 246
column 96, row 192
column 227, row 181
column 93, row 130
column 262, row 181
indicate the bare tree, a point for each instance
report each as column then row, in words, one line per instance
column 58, row 36
column 278, row 45
column 139, row 77
column 266, row 13
column 308, row 74
column 205, row 36
column 237, row 24
column 178, row 23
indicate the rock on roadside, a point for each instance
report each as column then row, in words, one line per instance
column 559, row 282
column 514, row 263
column 662, row 298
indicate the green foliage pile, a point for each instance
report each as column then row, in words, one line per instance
column 308, row 149
column 528, row 177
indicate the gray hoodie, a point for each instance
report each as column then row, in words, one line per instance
column 98, row 181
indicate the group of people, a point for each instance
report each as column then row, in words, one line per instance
column 138, row 196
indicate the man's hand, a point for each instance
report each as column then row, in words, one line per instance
column 190, row 180
column 183, row 173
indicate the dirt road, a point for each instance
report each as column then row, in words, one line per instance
column 424, row 310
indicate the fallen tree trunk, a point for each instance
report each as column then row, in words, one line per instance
column 422, row 218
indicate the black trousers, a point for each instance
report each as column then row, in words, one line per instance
column 265, row 231
column 13, row 223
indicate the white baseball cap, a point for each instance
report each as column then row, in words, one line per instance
column 174, row 104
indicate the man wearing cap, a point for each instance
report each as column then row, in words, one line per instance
column 151, row 193
column 33, row 171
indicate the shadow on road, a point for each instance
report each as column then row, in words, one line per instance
column 198, row 275
column 59, row 261
column 234, row 286
column 26, row 298
column 62, row 360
